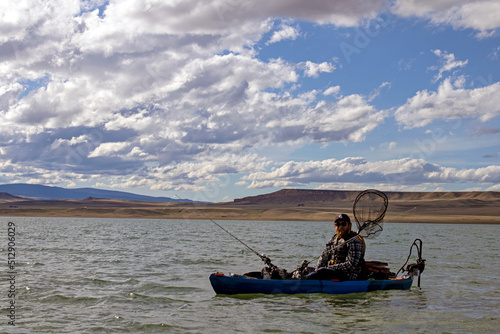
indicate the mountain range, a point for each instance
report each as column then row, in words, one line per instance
column 40, row 192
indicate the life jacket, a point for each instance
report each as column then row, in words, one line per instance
column 363, row 241
column 341, row 253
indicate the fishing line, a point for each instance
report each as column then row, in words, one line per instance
column 244, row 244
column 263, row 257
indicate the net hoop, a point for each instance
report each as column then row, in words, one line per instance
column 369, row 210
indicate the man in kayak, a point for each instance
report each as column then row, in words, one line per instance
column 343, row 255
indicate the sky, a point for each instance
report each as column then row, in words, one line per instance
column 214, row 100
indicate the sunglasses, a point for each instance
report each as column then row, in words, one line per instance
column 343, row 224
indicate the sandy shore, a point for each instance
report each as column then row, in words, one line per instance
column 286, row 204
column 407, row 212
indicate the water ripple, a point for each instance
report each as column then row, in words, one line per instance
column 151, row 276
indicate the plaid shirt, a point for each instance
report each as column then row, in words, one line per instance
column 344, row 256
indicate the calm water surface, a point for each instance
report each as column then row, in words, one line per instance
column 151, row 276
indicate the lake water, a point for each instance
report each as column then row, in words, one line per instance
column 151, row 276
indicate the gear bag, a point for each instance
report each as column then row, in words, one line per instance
column 376, row 270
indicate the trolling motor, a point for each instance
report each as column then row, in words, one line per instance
column 415, row 269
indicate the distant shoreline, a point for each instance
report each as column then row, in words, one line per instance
column 283, row 205
column 254, row 214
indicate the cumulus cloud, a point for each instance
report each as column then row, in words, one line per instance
column 359, row 170
column 108, row 89
column 285, row 32
column 450, row 101
column 194, row 175
column 480, row 15
column 137, row 86
column 313, row 69
column 334, row 90
column 107, row 149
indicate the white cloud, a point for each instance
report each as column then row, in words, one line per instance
column 360, row 171
column 480, row 15
column 178, row 103
column 334, row 90
column 232, row 23
column 495, row 187
column 194, row 176
column 9, row 95
column 157, row 89
column 376, row 92
column 107, row 149
column 285, row 32
column 448, row 63
column 314, row 69
column 450, row 101
column 24, row 18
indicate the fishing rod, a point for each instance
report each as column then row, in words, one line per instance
column 262, row 256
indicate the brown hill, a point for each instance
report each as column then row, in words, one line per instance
column 299, row 196
column 449, row 207
column 303, row 196
column 286, row 204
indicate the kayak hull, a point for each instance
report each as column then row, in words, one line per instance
column 238, row 284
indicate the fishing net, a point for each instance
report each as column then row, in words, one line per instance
column 369, row 211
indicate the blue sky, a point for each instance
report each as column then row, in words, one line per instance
column 220, row 99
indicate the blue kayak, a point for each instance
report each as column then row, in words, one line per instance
column 240, row 284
